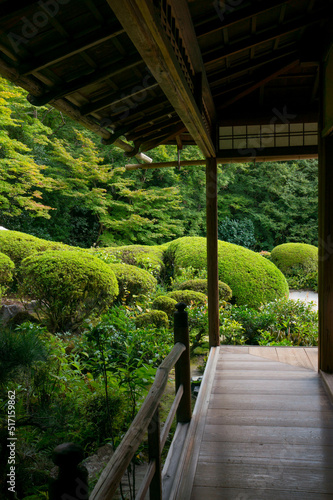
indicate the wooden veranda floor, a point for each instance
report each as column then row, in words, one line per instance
column 262, row 429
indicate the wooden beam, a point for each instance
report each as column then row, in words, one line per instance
column 183, row 17
column 163, row 136
column 223, row 75
column 328, row 94
column 61, row 53
column 261, row 77
column 91, row 78
column 226, row 15
column 143, row 26
column 212, row 253
column 217, row 55
column 155, row 127
column 116, row 98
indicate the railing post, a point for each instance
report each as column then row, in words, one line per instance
column 72, row 481
column 183, row 367
column 154, row 449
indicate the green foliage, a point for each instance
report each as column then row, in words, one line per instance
column 299, row 263
column 281, row 322
column 200, row 285
column 6, row 273
column 18, row 245
column 188, row 297
column 68, row 286
column 146, row 257
column 20, row 349
column 132, row 281
column 165, row 303
column 239, row 232
column 153, row 318
column 279, row 198
column 21, row 174
column 231, row 331
column 252, row 279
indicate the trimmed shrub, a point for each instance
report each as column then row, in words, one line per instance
column 298, row 262
column 132, row 281
column 149, row 258
column 152, row 318
column 6, row 272
column 188, row 296
column 253, row 280
column 200, row 285
column 18, row 245
column 166, row 304
column 68, row 286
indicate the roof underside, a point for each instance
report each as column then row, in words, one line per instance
column 238, row 62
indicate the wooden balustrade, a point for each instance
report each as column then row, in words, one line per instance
column 148, row 419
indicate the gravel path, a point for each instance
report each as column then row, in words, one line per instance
column 306, row 295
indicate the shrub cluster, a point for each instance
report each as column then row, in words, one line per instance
column 299, row 263
column 200, row 285
column 252, row 279
column 152, row 318
column 6, row 272
column 166, row 304
column 68, row 286
column 188, row 297
column 132, row 281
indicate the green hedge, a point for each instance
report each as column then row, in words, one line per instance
column 7, row 267
column 200, row 285
column 298, row 262
column 165, row 303
column 68, row 286
column 253, row 279
column 149, row 258
column 132, row 281
column 188, row 296
column 152, row 318
column 18, row 245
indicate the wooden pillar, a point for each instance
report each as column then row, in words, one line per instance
column 325, row 285
column 212, row 251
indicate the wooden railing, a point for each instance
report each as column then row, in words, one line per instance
column 148, row 419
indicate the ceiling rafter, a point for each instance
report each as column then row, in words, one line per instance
column 218, row 55
column 163, row 138
column 156, row 127
column 143, row 26
column 251, row 65
column 83, row 43
column 223, row 19
column 117, row 97
column 264, row 75
column 84, row 81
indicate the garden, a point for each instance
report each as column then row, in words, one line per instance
column 84, row 329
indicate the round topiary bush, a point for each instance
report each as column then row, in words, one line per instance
column 200, row 285
column 166, row 304
column 152, row 318
column 7, row 267
column 298, row 262
column 188, row 296
column 132, row 281
column 253, row 279
column 149, row 258
column 20, row 245
column 68, row 286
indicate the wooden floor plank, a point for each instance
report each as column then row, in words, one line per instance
column 211, row 493
column 267, row 430
column 270, row 418
column 299, row 455
column 265, row 352
column 282, row 387
column 312, row 354
column 312, row 480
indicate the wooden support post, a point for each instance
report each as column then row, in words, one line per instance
column 154, row 450
column 325, row 287
column 72, row 481
column 212, row 251
column 183, row 366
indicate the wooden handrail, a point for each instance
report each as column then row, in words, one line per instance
column 115, row 469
